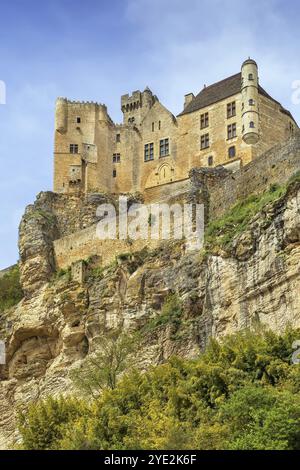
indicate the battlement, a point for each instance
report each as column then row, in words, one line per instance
column 136, row 105
column 76, row 102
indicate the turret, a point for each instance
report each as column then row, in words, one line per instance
column 61, row 115
column 136, row 106
column 250, row 110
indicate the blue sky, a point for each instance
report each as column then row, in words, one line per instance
column 98, row 50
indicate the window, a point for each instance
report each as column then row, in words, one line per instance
column 114, row 173
column 210, row 161
column 250, row 76
column 204, row 121
column 252, row 125
column 291, row 128
column 149, row 152
column 231, row 109
column 73, row 148
column 251, row 102
column 152, row 126
column 118, row 138
column 231, row 152
column 231, row 131
column 116, row 158
column 164, row 147
column 204, row 141
column 78, row 120
column 159, row 125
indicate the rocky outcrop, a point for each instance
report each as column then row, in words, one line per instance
column 59, row 322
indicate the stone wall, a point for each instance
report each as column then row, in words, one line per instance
column 221, row 189
column 84, row 244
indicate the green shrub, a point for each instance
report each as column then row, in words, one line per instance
column 240, row 394
column 220, row 233
column 10, row 289
column 171, row 313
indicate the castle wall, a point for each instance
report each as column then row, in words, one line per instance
column 160, row 124
column 190, row 132
column 128, row 169
column 221, row 192
column 217, row 188
column 274, row 125
column 85, row 243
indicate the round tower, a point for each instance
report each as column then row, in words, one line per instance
column 250, row 111
column 61, row 115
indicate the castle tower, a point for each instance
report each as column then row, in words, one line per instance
column 61, row 115
column 136, row 106
column 250, row 111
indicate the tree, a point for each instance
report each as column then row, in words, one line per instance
column 102, row 369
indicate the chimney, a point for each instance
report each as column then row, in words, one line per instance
column 188, row 98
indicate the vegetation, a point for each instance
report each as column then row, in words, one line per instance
column 171, row 314
column 102, row 370
column 10, row 289
column 242, row 393
column 220, row 233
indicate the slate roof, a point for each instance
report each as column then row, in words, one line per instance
column 221, row 90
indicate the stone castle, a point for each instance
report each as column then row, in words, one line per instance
column 229, row 123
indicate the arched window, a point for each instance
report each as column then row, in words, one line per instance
column 252, row 125
column 210, row 161
column 231, row 152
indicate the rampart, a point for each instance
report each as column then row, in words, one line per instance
column 220, row 189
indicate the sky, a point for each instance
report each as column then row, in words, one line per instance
column 97, row 50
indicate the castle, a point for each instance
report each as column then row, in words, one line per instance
column 229, row 123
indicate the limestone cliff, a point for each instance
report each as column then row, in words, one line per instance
column 58, row 322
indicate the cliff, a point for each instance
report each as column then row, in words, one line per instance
column 254, row 278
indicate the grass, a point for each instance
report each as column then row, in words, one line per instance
column 220, row 233
column 10, row 289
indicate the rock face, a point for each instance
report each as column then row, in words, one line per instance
column 58, row 322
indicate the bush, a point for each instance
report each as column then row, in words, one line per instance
column 239, row 394
column 220, row 233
